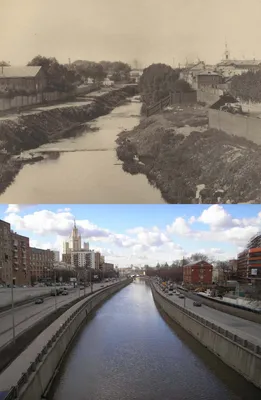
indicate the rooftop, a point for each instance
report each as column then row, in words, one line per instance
column 196, row 262
column 238, row 63
column 19, row 72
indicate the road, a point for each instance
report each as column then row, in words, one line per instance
column 21, row 294
column 248, row 330
column 27, row 315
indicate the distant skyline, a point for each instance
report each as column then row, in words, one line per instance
column 150, row 31
column 140, row 234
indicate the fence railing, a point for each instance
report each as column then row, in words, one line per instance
column 221, row 331
column 159, row 106
column 15, row 390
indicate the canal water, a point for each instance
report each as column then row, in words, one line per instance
column 87, row 170
column 129, row 350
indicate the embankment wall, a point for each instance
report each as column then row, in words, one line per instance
column 239, row 354
column 238, row 125
column 36, row 381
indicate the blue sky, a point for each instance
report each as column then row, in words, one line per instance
column 140, row 234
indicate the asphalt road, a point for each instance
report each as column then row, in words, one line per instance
column 27, row 315
column 21, row 294
column 247, row 330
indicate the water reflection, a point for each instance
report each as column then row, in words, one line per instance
column 129, row 350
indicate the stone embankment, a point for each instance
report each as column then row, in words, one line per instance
column 33, row 129
column 179, row 154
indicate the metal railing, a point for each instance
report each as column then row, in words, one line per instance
column 15, row 390
column 221, row 331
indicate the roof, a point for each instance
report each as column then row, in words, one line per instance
column 192, row 263
column 208, row 73
column 19, row 72
column 240, row 63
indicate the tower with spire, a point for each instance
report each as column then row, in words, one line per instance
column 75, row 240
column 227, row 53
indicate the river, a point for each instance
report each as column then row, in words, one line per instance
column 87, row 170
column 129, row 350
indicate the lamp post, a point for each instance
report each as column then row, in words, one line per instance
column 12, row 300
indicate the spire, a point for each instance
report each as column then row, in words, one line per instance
column 227, row 53
column 74, row 224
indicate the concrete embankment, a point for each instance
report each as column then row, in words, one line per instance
column 178, row 153
column 32, row 373
column 239, row 354
column 33, row 129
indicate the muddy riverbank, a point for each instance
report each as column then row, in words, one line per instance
column 48, row 125
column 178, row 154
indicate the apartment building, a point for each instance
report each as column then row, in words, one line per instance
column 5, row 253
column 41, row 264
column 83, row 259
column 107, row 267
column 21, row 259
column 198, row 272
column 98, row 262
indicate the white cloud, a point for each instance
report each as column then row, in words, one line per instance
column 216, row 217
column 17, row 208
column 179, row 226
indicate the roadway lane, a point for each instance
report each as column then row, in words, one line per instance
column 27, row 315
column 21, row 294
column 248, row 330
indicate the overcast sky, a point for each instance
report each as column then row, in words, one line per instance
column 147, row 30
column 140, row 234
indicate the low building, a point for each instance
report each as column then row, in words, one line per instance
column 135, row 75
column 230, row 68
column 108, row 267
column 23, row 79
column 208, row 79
column 108, row 82
column 6, row 255
column 198, row 272
column 21, row 259
column 190, row 72
column 42, row 263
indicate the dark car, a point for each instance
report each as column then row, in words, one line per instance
column 181, row 296
column 197, row 303
column 39, row 301
column 64, row 292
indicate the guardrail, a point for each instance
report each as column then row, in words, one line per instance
column 15, row 390
column 223, row 332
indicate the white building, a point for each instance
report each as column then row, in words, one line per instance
column 108, row 82
column 83, row 259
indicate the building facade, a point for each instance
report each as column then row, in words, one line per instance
column 21, row 259
column 56, row 256
column 108, row 267
column 42, row 264
column 83, row 259
column 98, row 262
column 75, row 240
column 198, row 273
column 208, row 79
column 6, row 255
column 29, row 79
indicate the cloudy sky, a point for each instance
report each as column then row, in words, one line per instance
column 149, row 30
column 140, row 234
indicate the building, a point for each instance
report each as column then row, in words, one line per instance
column 108, row 82
column 56, row 255
column 98, row 262
column 249, row 262
column 21, row 259
column 42, row 264
column 135, row 75
column 198, row 273
column 107, row 267
column 6, row 254
column 29, row 79
column 86, row 246
column 230, row 68
column 190, row 72
column 75, row 240
column 66, row 258
column 83, row 259
column 208, row 79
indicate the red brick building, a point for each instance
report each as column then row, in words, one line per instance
column 198, row 272
column 21, row 259
column 41, row 264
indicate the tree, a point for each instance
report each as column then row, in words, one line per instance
column 4, row 64
column 59, row 77
column 247, row 86
column 156, row 82
column 90, row 69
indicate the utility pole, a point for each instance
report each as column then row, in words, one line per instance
column 12, row 299
column 91, row 279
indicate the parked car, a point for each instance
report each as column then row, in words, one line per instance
column 65, row 292
column 181, row 296
column 39, row 301
column 197, row 304
column 170, row 294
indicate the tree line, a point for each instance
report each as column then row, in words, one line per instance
column 247, row 86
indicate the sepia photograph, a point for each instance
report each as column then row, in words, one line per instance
column 141, row 101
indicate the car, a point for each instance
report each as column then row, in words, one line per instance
column 39, row 301
column 181, row 296
column 197, row 304
column 170, row 294
column 102, row 285
column 65, row 292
